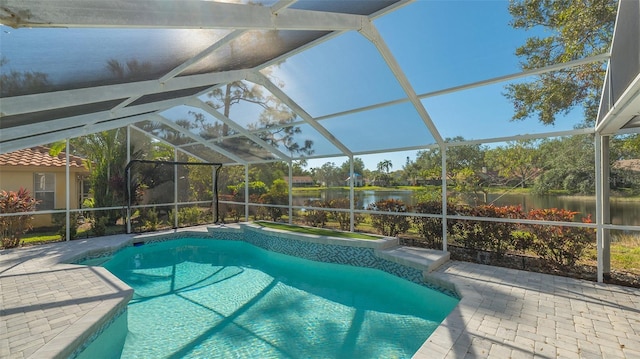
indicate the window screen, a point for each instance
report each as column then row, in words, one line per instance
column 44, row 189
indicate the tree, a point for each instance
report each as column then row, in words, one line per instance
column 569, row 165
column 106, row 157
column 519, row 161
column 383, row 172
column 577, row 29
column 277, row 194
column 458, row 158
column 410, row 171
column 429, row 164
column 132, row 68
column 385, row 166
column 15, row 83
column 273, row 120
column 358, row 167
column 328, row 174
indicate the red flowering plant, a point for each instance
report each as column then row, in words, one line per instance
column 13, row 227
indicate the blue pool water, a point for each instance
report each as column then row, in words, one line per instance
column 199, row 298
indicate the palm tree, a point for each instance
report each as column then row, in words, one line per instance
column 383, row 170
column 385, row 165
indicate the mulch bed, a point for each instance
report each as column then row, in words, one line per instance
column 533, row 264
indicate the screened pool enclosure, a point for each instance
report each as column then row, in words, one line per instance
column 276, row 85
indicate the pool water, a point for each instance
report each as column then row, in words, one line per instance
column 199, row 298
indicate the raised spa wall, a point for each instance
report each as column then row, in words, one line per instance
column 368, row 253
column 384, row 253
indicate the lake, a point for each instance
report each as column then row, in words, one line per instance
column 623, row 212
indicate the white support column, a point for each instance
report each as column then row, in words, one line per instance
column 214, row 207
column 68, row 190
column 246, row 192
column 443, row 151
column 290, row 192
column 606, row 208
column 175, row 188
column 599, row 206
column 129, row 178
column 352, row 197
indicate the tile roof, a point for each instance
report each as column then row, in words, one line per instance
column 38, row 156
column 630, row 165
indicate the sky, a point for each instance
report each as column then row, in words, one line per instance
column 437, row 45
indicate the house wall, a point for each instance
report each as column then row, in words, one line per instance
column 12, row 178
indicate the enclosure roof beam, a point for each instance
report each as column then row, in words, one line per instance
column 16, row 132
column 165, row 121
column 370, row 32
column 72, row 132
column 491, row 81
column 162, row 140
column 169, row 14
column 575, row 132
column 215, row 113
column 260, row 79
column 623, row 111
column 58, row 99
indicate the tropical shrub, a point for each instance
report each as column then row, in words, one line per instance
column 60, row 219
column 562, row 245
column 315, row 217
column 430, row 227
column 488, row 235
column 151, row 219
column 278, row 194
column 99, row 226
column 188, row 215
column 389, row 224
column 344, row 218
column 13, row 227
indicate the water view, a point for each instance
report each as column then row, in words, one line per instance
column 623, row 211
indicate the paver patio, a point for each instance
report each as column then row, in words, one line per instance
column 49, row 308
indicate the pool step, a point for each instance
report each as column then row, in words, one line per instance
column 423, row 259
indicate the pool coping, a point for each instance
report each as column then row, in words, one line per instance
column 502, row 312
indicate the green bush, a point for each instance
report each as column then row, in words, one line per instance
column 188, row 216
column 13, row 227
column 278, row 194
column 60, row 219
column 150, row 218
column 315, row 217
column 344, row 218
column 99, row 226
column 562, row 245
column 488, row 235
column 430, row 227
column 389, row 224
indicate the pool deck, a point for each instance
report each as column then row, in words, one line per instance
column 48, row 307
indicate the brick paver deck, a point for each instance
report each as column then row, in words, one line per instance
column 47, row 309
column 506, row 313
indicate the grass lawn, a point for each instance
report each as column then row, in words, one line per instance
column 52, row 236
column 625, row 253
column 315, row 231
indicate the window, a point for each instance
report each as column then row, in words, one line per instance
column 84, row 190
column 45, row 190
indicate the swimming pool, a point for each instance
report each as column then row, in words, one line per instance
column 209, row 298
